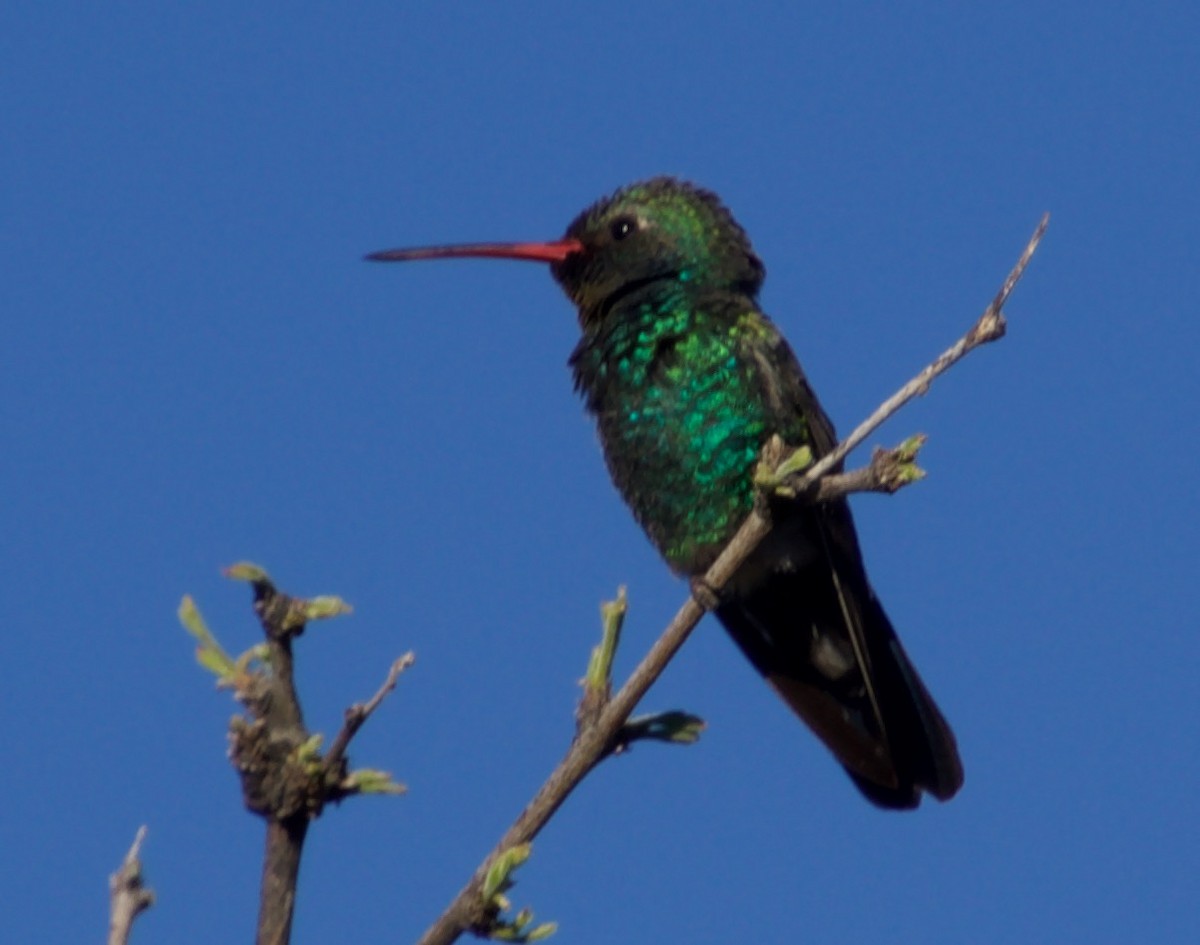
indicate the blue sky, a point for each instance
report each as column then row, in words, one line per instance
column 199, row 368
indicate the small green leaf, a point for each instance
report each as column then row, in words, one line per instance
column 209, row 653
column 506, row 862
column 907, row 451
column 680, row 728
column 797, row 462
column 215, row 662
column 498, row 880
column 897, row 467
column 247, row 571
column 910, row 473
column 193, row 623
column 612, row 618
column 492, row 882
column 545, row 930
column 515, row 931
column 372, row 781
column 310, row 748
column 322, row 608
column 775, row 479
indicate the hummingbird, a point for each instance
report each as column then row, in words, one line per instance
column 687, row 379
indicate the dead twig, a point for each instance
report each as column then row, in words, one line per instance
column 128, row 896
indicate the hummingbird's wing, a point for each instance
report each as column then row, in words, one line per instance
column 804, row 613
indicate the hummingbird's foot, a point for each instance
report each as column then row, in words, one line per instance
column 704, row 594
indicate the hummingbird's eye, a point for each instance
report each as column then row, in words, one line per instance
column 622, row 227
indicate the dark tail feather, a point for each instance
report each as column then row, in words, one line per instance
column 823, row 642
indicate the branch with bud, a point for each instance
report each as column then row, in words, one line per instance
column 602, row 719
column 286, row 779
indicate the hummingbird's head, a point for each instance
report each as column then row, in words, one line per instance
column 659, row 230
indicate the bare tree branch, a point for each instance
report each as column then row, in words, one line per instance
column 271, row 741
column 128, row 897
column 285, row 780
column 593, row 739
column 358, row 713
column 281, row 870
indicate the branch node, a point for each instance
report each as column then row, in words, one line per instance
column 285, row 780
column 704, row 594
column 498, row 881
column 778, row 467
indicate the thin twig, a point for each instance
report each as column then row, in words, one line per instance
column 592, row 741
column 128, row 897
column 989, row 327
column 358, row 713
